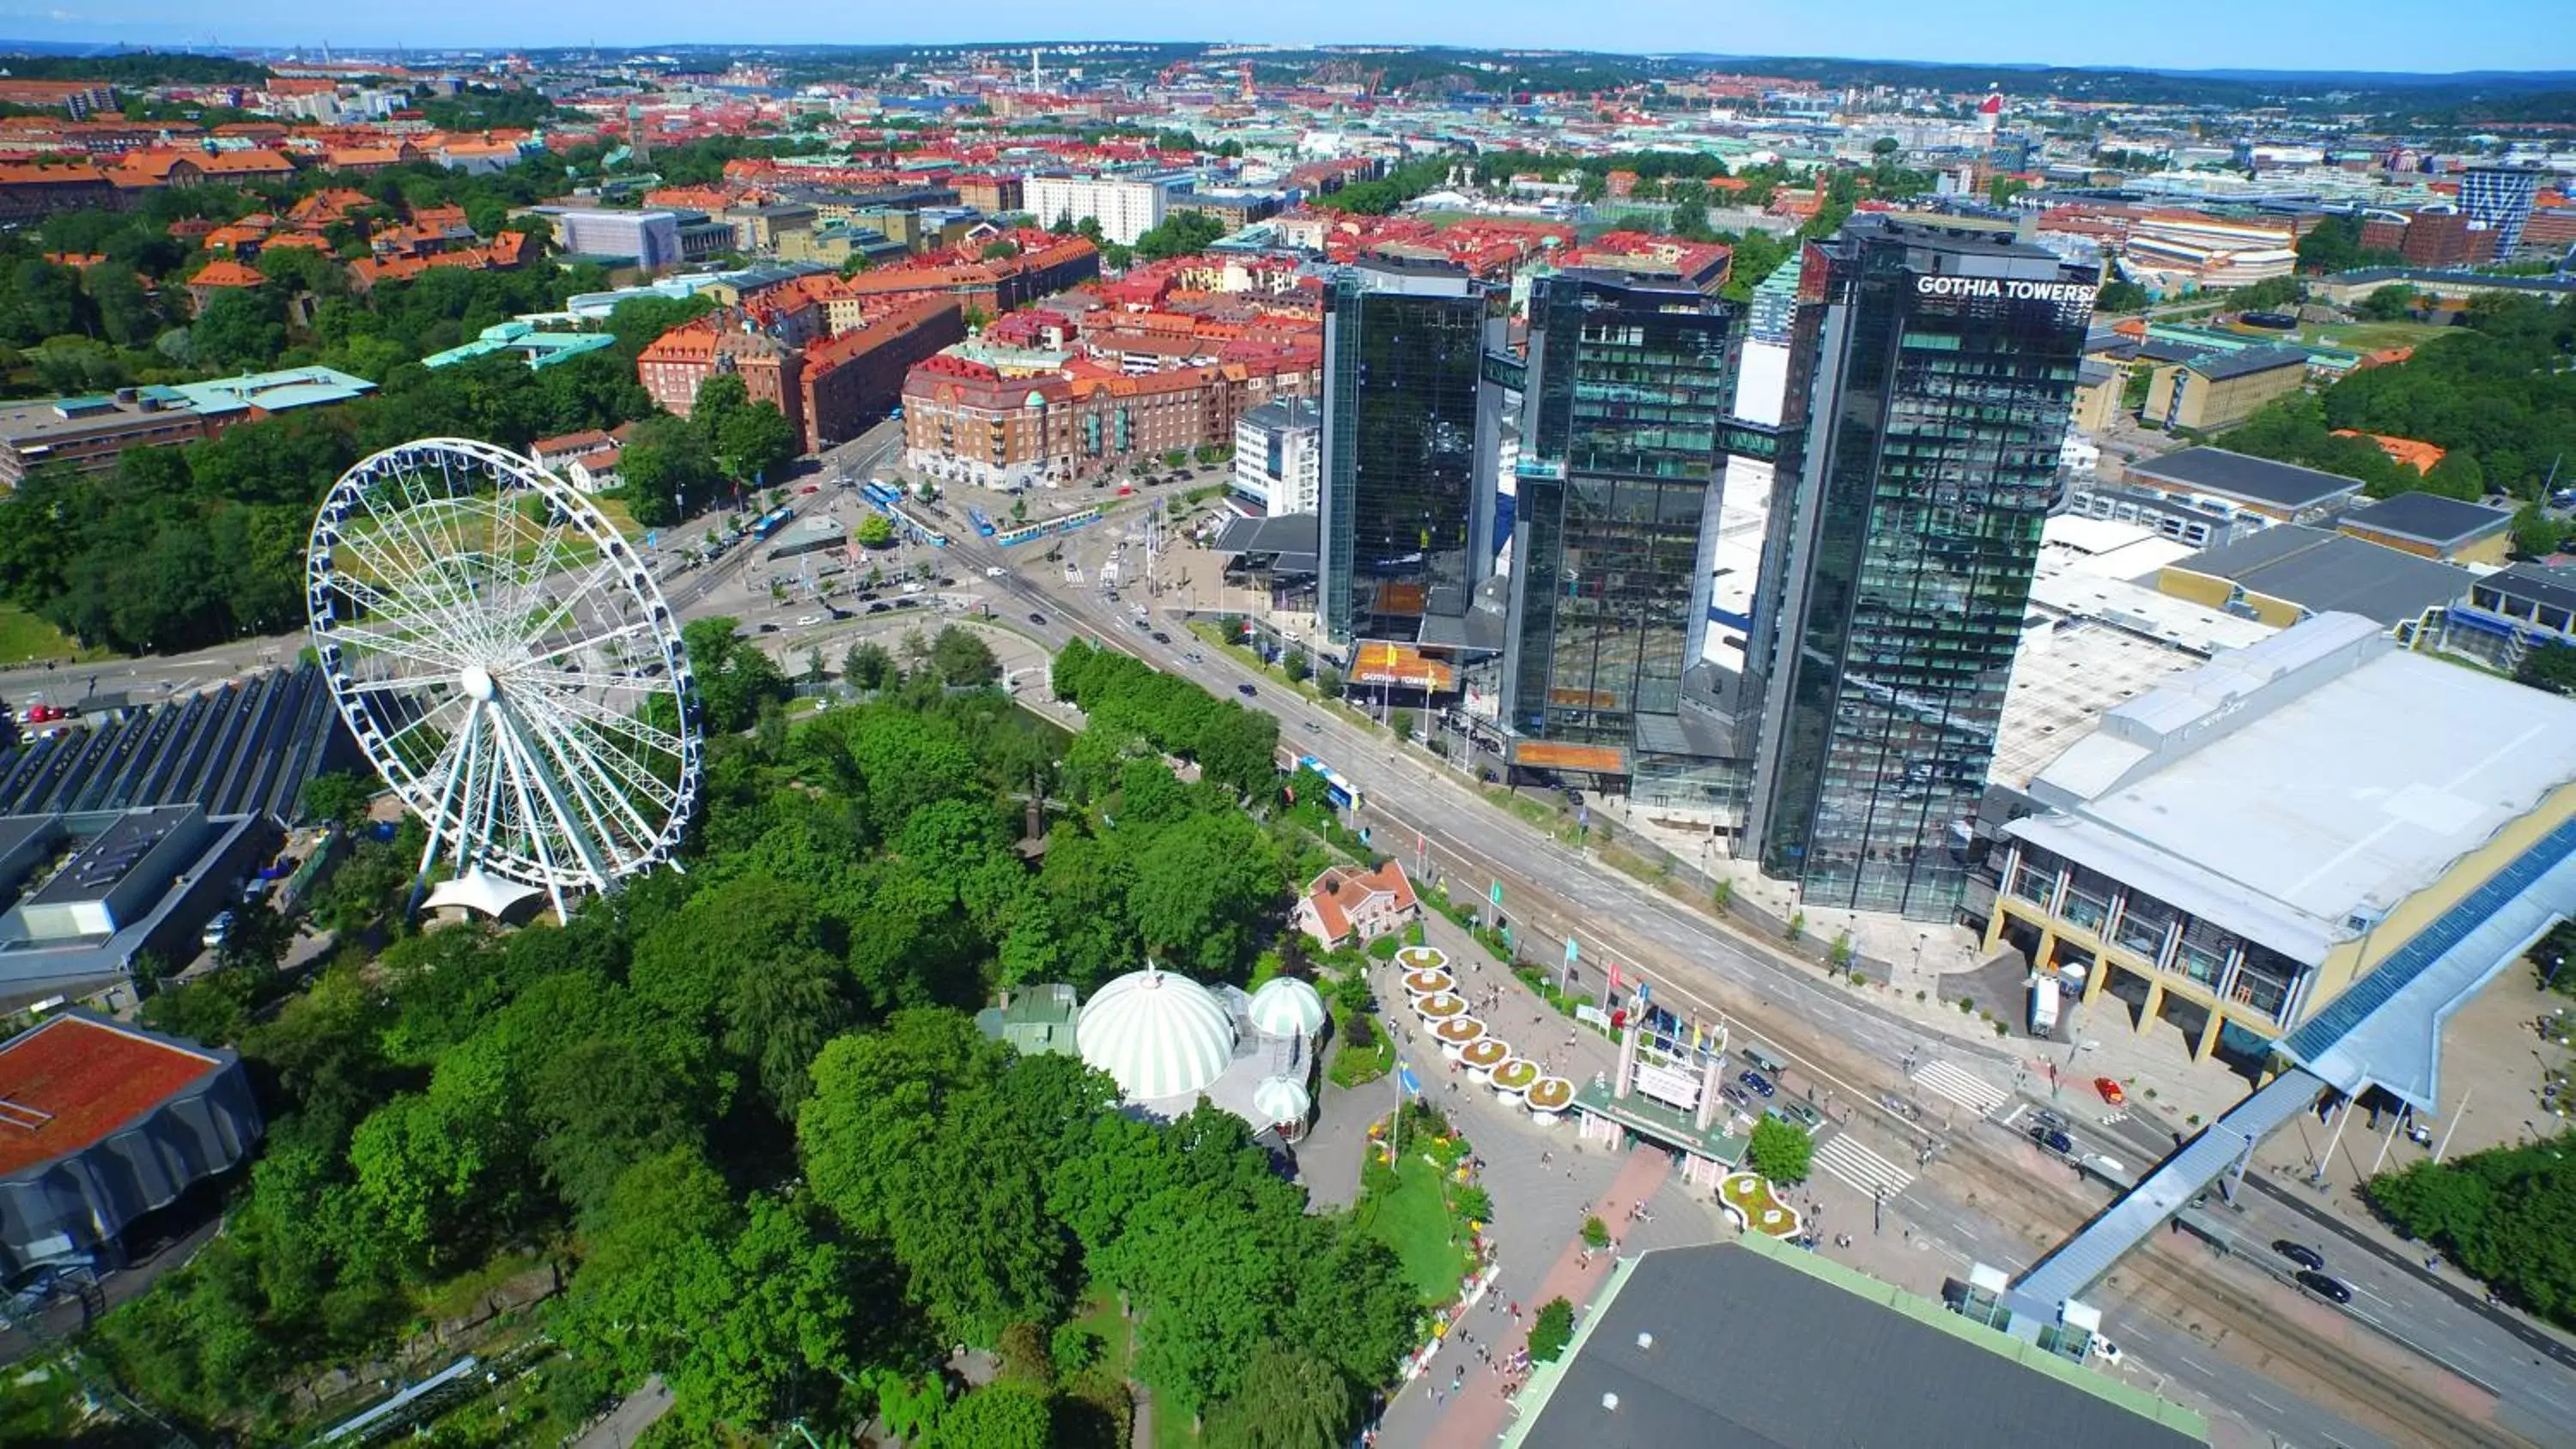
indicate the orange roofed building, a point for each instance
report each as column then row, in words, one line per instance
column 2419, row 456
column 1346, row 903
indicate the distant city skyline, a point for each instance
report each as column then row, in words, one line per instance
column 2293, row 35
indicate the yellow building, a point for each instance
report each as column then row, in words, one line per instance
column 2428, row 525
column 2229, row 852
column 2220, row 390
column 2097, row 396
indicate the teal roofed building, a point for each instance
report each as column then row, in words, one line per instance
column 540, row 348
column 228, row 400
column 1032, row 1020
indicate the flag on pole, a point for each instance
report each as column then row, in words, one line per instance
column 1614, row 975
column 1405, row 1078
column 1573, row 953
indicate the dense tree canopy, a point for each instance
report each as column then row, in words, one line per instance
column 2499, row 394
column 741, row 1110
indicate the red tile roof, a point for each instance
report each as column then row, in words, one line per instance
column 86, row 1080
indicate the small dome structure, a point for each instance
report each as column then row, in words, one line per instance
column 1287, row 1007
column 1281, row 1100
column 1160, row 1035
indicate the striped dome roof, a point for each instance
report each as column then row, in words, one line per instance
column 1158, row 1034
column 1286, row 1006
column 1281, row 1099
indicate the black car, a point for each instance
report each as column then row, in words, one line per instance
column 1246, row 690
column 2301, row 1254
column 1760, row 1084
column 2323, row 1286
column 1162, row 638
column 768, row 628
column 1039, row 619
column 1143, row 627
column 2052, row 1139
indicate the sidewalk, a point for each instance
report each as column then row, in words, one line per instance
column 1478, row 1412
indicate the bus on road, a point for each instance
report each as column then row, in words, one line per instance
column 1344, row 794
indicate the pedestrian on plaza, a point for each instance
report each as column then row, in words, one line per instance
column 1438, row 1397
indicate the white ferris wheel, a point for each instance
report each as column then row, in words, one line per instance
column 510, row 667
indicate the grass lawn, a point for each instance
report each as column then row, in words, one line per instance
column 26, row 639
column 1412, row 1216
column 2371, row 336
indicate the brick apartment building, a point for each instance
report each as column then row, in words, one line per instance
column 991, row 195
column 967, row 421
column 75, row 98
column 2443, row 238
column 830, row 387
column 1046, row 265
column 674, row 365
column 855, row 377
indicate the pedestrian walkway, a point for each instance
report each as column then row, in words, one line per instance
column 1474, row 1415
column 1844, row 1157
column 1972, row 1092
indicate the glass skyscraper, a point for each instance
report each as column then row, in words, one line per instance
column 1406, row 503
column 1943, row 360
column 1628, row 388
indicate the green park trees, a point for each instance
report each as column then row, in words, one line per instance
column 1781, row 1151
column 742, row 1114
column 2506, row 1216
column 2498, row 394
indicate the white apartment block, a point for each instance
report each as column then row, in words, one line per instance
column 1125, row 207
column 1279, row 457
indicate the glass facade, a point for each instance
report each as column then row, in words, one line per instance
column 1944, row 363
column 2254, row 980
column 1628, row 390
column 1404, row 350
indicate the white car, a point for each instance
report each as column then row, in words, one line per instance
column 810, row 620
column 993, row 573
column 2107, row 1351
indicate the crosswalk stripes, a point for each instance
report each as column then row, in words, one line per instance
column 1973, row 1093
column 1859, row 1166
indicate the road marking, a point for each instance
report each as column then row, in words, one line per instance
column 1974, row 1093
column 1845, row 1158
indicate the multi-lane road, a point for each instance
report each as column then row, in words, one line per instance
column 1430, row 814
column 1424, row 810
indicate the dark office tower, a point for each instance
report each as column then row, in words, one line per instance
column 1405, row 526
column 1942, row 357
column 2498, row 199
column 1623, row 425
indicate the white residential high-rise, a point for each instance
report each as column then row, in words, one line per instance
column 1279, row 456
column 1126, row 207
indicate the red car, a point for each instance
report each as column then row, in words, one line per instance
column 2110, row 1091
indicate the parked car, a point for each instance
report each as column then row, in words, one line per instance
column 218, row 931
column 2107, row 1351
column 2111, row 1091
column 2300, row 1253
column 1760, row 1084
column 2052, row 1139
column 2323, row 1286
column 1796, row 1113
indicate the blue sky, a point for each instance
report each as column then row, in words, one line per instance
column 2264, row 34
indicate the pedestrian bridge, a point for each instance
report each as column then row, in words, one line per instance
column 2384, row 1031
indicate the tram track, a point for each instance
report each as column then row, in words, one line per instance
column 2196, row 1297
column 1813, row 1025
column 2186, row 1296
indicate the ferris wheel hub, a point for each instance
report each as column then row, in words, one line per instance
column 478, row 682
